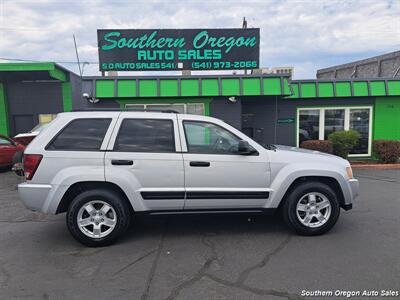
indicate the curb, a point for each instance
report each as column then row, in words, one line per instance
column 375, row 166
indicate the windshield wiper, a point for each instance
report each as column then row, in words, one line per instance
column 270, row 147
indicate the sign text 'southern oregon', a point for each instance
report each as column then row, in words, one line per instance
column 178, row 49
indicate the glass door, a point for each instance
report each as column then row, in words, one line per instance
column 359, row 121
column 308, row 125
column 334, row 121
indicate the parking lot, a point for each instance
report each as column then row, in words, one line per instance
column 204, row 257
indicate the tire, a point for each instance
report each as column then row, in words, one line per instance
column 299, row 208
column 113, row 222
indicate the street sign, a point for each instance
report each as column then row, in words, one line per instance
column 286, row 121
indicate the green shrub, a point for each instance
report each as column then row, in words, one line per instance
column 387, row 151
column 343, row 142
column 323, row 146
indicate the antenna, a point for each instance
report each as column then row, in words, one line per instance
column 77, row 55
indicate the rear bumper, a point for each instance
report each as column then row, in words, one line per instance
column 34, row 195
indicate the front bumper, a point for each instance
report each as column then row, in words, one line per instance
column 350, row 194
column 354, row 187
column 34, row 195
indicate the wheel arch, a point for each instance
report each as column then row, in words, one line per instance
column 79, row 187
column 329, row 181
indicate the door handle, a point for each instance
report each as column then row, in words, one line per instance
column 122, row 162
column 199, row 164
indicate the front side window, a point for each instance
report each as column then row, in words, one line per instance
column 202, row 137
column 145, row 135
column 81, row 135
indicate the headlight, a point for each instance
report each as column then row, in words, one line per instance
column 349, row 172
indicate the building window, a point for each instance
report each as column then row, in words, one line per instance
column 319, row 123
column 183, row 108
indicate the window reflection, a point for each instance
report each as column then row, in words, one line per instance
column 334, row 121
column 359, row 121
column 308, row 125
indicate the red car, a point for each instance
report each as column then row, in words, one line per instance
column 26, row 137
column 8, row 147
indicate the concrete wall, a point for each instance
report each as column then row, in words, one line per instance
column 231, row 113
column 26, row 100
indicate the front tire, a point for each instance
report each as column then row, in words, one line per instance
column 311, row 208
column 98, row 217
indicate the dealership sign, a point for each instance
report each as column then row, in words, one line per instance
column 178, row 49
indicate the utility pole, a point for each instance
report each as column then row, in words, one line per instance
column 77, row 56
column 244, row 26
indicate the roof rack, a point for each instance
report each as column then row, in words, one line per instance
column 170, row 111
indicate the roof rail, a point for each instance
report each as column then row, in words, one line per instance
column 171, row 111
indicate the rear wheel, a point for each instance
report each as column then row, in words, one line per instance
column 312, row 208
column 98, row 217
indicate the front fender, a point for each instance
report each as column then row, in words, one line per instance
column 288, row 174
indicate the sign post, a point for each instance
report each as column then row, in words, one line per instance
column 178, row 49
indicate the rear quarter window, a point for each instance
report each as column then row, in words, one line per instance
column 81, row 135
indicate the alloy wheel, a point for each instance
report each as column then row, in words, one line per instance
column 96, row 219
column 313, row 209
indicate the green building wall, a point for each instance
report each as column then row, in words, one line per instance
column 4, row 129
column 386, row 125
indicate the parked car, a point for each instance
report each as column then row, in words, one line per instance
column 8, row 148
column 102, row 168
column 26, row 138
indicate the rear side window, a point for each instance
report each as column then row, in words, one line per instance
column 145, row 135
column 81, row 135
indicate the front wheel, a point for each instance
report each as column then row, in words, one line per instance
column 97, row 218
column 312, row 208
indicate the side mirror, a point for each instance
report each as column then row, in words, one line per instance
column 245, row 148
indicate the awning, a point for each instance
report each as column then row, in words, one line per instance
column 32, row 71
column 187, row 86
column 345, row 88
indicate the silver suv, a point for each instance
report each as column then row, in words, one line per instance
column 101, row 167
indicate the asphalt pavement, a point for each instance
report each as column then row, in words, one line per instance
column 205, row 257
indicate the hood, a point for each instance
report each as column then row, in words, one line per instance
column 294, row 154
column 302, row 150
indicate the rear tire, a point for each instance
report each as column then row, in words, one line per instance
column 311, row 208
column 97, row 218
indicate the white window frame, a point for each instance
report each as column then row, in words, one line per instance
column 145, row 105
column 346, row 123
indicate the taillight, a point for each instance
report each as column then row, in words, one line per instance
column 31, row 163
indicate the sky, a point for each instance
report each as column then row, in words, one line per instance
column 306, row 34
